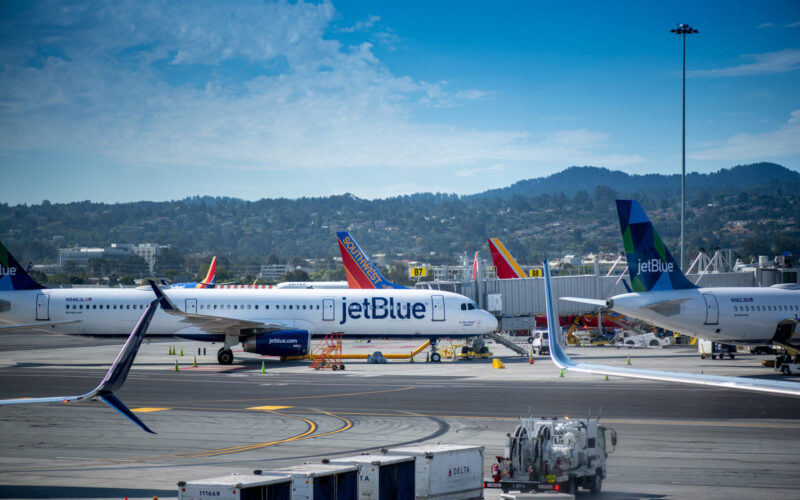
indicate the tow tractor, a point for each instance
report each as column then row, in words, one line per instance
column 555, row 454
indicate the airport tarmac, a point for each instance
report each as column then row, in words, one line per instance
column 675, row 441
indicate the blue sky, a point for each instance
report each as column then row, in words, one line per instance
column 123, row 101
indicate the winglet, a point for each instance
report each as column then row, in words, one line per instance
column 116, row 375
column 557, row 353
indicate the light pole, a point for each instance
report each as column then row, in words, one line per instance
column 683, row 30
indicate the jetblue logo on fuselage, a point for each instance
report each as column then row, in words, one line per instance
column 8, row 271
column 381, row 308
column 655, row 266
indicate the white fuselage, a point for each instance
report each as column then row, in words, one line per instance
column 355, row 313
column 733, row 315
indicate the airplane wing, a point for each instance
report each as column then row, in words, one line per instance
column 214, row 324
column 37, row 326
column 114, row 378
column 560, row 358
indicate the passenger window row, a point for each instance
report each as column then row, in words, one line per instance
column 767, row 308
column 104, row 306
column 217, row 307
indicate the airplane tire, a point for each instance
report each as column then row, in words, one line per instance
column 225, row 357
column 341, row 367
column 436, row 357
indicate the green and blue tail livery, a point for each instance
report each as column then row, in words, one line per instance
column 12, row 275
column 650, row 264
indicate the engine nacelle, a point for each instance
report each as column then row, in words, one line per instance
column 280, row 343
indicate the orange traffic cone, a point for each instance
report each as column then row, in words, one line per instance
column 530, row 360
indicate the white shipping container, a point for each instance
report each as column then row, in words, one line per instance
column 236, row 487
column 446, row 471
column 321, row 481
column 384, row 477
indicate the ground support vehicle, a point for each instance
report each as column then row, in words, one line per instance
column 558, row 454
column 707, row 348
column 787, row 364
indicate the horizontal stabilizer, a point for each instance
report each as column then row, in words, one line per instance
column 560, row 359
column 594, row 302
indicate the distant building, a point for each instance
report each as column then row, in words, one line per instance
column 80, row 256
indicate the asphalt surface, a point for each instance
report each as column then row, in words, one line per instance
column 675, row 441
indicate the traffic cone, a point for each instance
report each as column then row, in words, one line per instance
column 629, row 359
column 562, row 373
column 606, row 378
column 411, row 358
column 176, row 365
column 530, row 360
column 181, row 351
column 195, row 362
column 263, row 367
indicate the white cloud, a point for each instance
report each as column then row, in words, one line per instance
column 793, row 25
column 766, row 25
column 767, row 63
column 238, row 85
column 362, row 25
column 782, row 141
column 497, row 167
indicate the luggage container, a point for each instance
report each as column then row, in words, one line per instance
column 237, row 487
column 384, row 477
column 446, row 471
column 320, row 481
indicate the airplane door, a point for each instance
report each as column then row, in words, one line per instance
column 438, row 307
column 327, row 310
column 712, row 309
column 191, row 306
column 43, row 306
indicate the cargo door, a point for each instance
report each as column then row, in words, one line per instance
column 406, row 486
column 323, row 488
column 438, row 307
column 328, row 313
column 191, row 306
column 712, row 309
column 43, row 306
column 347, row 486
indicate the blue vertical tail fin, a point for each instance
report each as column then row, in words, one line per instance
column 650, row 264
column 12, row 275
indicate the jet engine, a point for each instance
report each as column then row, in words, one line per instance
column 279, row 343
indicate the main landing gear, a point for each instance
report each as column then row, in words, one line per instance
column 225, row 356
column 435, row 356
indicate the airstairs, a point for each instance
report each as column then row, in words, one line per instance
column 506, row 341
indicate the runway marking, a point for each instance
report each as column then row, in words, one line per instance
column 148, row 409
column 320, row 396
column 312, row 427
column 269, row 408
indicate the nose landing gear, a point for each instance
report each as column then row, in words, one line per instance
column 435, row 356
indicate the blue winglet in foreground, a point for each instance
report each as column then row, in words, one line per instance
column 560, row 358
column 114, row 378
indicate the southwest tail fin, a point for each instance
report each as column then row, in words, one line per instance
column 208, row 281
column 12, row 275
column 650, row 264
column 475, row 267
column 503, row 262
column 360, row 271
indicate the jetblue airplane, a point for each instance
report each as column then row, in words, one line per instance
column 114, row 378
column 360, row 271
column 560, row 359
column 663, row 296
column 276, row 322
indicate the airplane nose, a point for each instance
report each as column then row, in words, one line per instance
column 491, row 321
